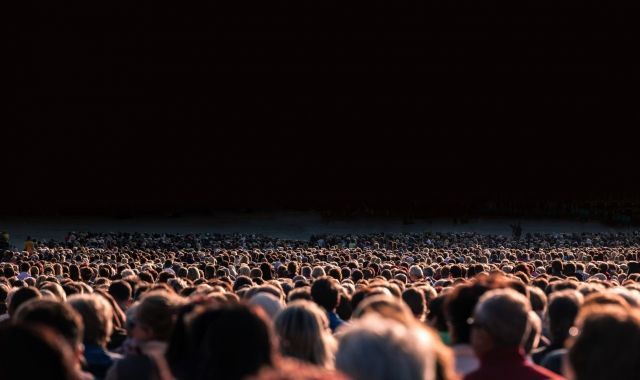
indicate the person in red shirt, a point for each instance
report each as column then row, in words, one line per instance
column 500, row 327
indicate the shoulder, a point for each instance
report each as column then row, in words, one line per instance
column 542, row 373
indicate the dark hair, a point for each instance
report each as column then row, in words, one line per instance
column 120, row 290
column 414, row 298
column 20, row 345
column 300, row 293
column 9, row 271
column 458, row 308
column 241, row 281
column 58, row 316
column 608, row 345
column 267, row 271
column 325, row 292
column 86, row 274
column 21, row 296
column 562, row 311
column 74, row 272
column 335, row 273
column 228, row 342
column 343, row 309
column 436, row 313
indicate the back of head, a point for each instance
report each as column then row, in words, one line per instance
column 229, row 342
column 20, row 296
column 96, row 315
column 325, row 293
column 303, row 332
column 458, row 308
column 21, row 347
column 57, row 316
column 269, row 303
column 563, row 309
column 607, row 344
column 504, row 315
column 155, row 313
column 120, row 290
column 374, row 348
column 414, row 298
column 386, row 306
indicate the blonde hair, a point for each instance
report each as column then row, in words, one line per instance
column 97, row 316
column 304, row 333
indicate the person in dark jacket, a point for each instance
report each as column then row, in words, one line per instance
column 563, row 309
column 97, row 317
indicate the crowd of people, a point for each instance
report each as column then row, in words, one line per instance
column 433, row 306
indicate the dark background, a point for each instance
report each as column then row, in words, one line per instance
column 419, row 107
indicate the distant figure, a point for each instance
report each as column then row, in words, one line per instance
column 4, row 241
column 516, row 231
column 29, row 245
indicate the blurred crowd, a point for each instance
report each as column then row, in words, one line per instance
column 433, row 306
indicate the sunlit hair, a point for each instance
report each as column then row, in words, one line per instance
column 386, row 306
column 605, row 343
column 304, row 333
column 504, row 313
column 97, row 316
column 376, row 348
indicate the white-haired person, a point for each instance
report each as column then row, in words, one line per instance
column 377, row 348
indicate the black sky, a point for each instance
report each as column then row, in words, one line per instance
column 153, row 107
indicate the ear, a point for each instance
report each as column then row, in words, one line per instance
column 481, row 340
column 78, row 353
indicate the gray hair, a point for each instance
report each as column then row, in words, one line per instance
column 504, row 314
column 317, row 272
column 374, row 348
column 416, row 271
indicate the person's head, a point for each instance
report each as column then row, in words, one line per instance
column 325, row 292
column 97, row 316
column 35, row 352
column 500, row 320
column 375, row 348
column 317, row 272
column 193, row 274
column 55, row 289
column 415, row 273
column 302, row 293
column 538, row 300
column 458, row 308
column 303, row 332
column 226, row 342
column 563, row 309
column 414, row 298
column 155, row 316
column 59, row 317
column 606, row 344
column 386, row 306
column 121, row 292
column 268, row 302
column 20, row 296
